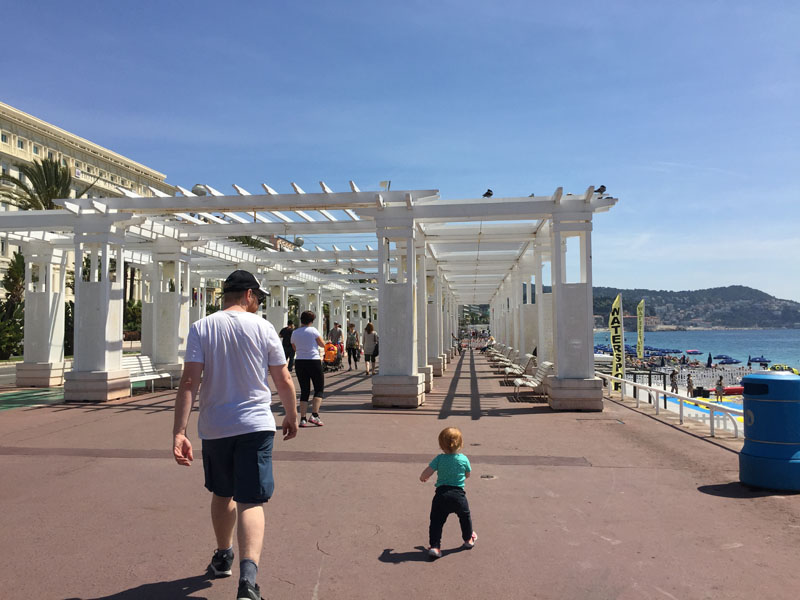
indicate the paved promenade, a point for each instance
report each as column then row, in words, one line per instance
column 566, row 505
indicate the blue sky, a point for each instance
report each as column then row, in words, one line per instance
column 689, row 112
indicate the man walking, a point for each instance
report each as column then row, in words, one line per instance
column 335, row 334
column 234, row 350
column 286, row 339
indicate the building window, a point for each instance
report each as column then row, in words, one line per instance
column 3, row 138
column 49, row 155
column 89, row 169
column 36, row 150
column 21, row 144
column 113, row 179
column 63, row 162
column 102, row 174
column 77, row 164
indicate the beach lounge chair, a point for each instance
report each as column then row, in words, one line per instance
column 511, row 361
column 518, row 370
column 502, row 356
column 534, row 382
column 496, row 350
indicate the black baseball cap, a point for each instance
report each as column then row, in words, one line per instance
column 241, row 280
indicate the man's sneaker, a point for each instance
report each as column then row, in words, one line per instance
column 471, row 541
column 303, row 422
column 434, row 553
column 315, row 421
column 221, row 563
column 248, row 591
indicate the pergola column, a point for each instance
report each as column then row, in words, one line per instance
column 516, row 303
column 453, row 322
column 399, row 383
column 97, row 374
column 197, row 308
column 277, row 310
column 434, row 327
column 574, row 386
column 43, row 364
column 441, row 308
column 355, row 315
column 422, row 317
column 310, row 300
column 171, row 295
column 338, row 308
column 529, row 326
column 544, row 301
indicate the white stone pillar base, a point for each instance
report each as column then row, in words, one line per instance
column 446, row 358
column 96, row 386
column 40, row 374
column 174, row 369
column 400, row 391
column 427, row 371
column 437, row 364
column 575, row 394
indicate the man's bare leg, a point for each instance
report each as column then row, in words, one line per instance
column 250, row 532
column 223, row 518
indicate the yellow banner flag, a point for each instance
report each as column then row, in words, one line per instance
column 640, row 329
column 617, row 340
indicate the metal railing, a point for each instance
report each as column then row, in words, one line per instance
column 653, row 397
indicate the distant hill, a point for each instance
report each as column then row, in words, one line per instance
column 732, row 306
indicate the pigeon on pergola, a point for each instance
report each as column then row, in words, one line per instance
column 601, row 189
column 488, row 194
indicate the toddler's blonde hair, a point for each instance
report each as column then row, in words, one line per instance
column 450, row 440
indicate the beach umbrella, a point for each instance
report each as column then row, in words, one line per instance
column 708, row 362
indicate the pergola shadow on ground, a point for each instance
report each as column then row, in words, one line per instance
column 566, row 505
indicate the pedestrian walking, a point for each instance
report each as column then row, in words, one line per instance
column 353, row 347
column 453, row 468
column 370, row 348
column 719, row 390
column 673, row 381
column 689, row 386
column 306, row 341
column 235, row 351
column 286, row 340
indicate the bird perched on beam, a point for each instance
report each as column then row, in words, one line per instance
column 488, row 194
column 601, row 189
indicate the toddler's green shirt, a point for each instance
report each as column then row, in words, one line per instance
column 451, row 469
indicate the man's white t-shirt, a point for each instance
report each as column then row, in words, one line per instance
column 236, row 349
column 305, row 343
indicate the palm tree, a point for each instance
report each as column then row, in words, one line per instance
column 48, row 181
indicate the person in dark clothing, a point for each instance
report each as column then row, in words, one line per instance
column 286, row 339
column 353, row 346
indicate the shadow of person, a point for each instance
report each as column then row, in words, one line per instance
column 420, row 554
column 736, row 489
column 162, row 590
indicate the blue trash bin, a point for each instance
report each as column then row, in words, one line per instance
column 770, row 457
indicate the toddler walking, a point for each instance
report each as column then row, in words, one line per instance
column 453, row 468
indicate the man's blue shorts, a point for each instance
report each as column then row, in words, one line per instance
column 240, row 466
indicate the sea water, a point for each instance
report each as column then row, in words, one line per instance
column 781, row 346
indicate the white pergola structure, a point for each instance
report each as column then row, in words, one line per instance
column 432, row 255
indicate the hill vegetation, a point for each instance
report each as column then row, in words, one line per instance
column 734, row 306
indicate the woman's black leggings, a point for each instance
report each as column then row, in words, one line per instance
column 352, row 356
column 308, row 371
